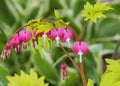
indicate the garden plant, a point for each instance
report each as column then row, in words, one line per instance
column 50, row 51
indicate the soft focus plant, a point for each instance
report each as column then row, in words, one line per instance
column 26, row 79
column 42, row 33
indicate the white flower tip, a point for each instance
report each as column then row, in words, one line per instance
column 57, row 41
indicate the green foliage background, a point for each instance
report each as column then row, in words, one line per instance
column 101, row 37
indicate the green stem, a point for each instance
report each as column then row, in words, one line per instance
column 116, row 50
column 83, row 30
column 76, row 66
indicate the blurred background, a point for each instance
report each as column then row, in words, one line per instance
column 103, row 39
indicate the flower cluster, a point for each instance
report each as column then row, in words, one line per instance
column 23, row 36
column 65, row 35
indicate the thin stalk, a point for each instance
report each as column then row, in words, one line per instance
column 116, row 50
column 22, row 28
column 76, row 66
column 82, row 70
column 83, row 30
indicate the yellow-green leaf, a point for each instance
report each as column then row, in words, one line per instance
column 57, row 14
column 93, row 12
column 26, row 79
column 90, row 83
column 111, row 77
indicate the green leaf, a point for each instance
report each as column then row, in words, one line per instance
column 90, row 83
column 112, row 74
column 44, row 67
column 93, row 12
column 3, row 74
column 110, row 61
column 57, row 14
column 24, row 79
column 47, row 44
column 59, row 23
column 108, row 79
column 105, row 28
column 44, row 27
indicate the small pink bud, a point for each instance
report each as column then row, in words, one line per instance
column 64, row 71
column 8, row 45
column 15, row 41
column 63, row 66
column 3, row 54
column 24, row 45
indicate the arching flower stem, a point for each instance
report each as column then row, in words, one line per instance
column 79, row 69
column 78, row 38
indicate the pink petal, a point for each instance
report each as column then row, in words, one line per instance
column 76, row 47
column 28, row 35
column 84, row 47
column 22, row 35
column 8, row 45
column 63, row 66
column 65, row 37
column 61, row 32
column 70, row 33
column 53, row 33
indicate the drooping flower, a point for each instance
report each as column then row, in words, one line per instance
column 3, row 54
column 67, row 36
column 16, row 43
column 8, row 45
column 64, row 71
column 25, row 36
column 55, row 34
column 26, row 79
column 80, row 48
column 61, row 34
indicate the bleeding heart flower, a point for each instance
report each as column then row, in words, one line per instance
column 25, row 36
column 64, row 71
column 54, row 35
column 6, row 52
column 68, row 35
column 80, row 48
column 16, row 43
